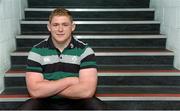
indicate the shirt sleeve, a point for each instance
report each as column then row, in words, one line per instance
column 34, row 61
column 88, row 59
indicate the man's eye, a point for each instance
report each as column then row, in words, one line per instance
column 65, row 24
column 55, row 24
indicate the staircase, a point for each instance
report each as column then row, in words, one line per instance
column 135, row 69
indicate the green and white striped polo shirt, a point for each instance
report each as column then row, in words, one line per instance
column 53, row 64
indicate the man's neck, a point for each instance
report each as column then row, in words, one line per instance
column 61, row 46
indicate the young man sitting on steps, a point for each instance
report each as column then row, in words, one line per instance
column 61, row 70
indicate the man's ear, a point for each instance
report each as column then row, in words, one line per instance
column 73, row 26
column 48, row 27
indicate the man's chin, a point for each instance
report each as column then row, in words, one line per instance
column 60, row 41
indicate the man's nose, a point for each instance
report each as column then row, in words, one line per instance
column 60, row 28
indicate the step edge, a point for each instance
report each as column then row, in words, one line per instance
column 13, row 99
column 114, row 54
column 97, row 22
column 108, row 99
column 112, row 97
column 114, row 74
column 92, row 9
column 96, row 36
column 139, row 98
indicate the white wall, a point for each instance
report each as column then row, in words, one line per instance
column 168, row 13
column 11, row 11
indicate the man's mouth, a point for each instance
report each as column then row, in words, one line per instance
column 60, row 34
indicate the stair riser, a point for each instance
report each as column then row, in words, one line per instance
column 97, row 16
column 15, row 82
column 116, row 60
column 115, row 43
column 135, row 60
column 117, row 105
column 10, row 105
column 90, row 3
column 128, row 81
column 28, row 29
column 144, row 105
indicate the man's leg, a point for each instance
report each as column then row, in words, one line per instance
column 64, row 104
column 35, row 104
column 79, row 104
column 89, row 104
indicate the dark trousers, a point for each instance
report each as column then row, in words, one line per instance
column 63, row 104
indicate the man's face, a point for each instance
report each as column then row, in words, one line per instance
column 61, row 28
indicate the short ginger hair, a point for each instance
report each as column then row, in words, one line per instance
column 60, row 12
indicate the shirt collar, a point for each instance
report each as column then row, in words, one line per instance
column 70, row 46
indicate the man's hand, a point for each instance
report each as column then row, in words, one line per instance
column 86, row 86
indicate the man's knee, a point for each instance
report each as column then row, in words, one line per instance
column 93, row 103
column 32, row 104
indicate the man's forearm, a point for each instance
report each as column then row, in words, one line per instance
column 78, row 91
column 86, row 86
column 49, row 88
